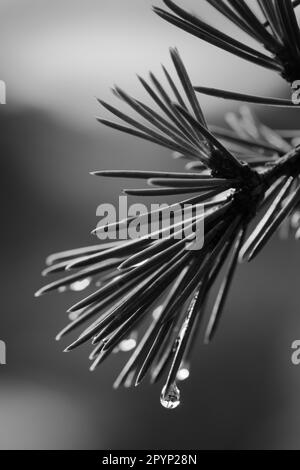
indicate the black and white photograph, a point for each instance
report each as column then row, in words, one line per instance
column 150, row 244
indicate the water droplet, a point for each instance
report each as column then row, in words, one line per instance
column 80, row 285
column 170, row 398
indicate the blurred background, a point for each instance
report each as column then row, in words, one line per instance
column 56, row 58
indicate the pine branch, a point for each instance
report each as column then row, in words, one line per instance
column 278, row 33
column 235, row 174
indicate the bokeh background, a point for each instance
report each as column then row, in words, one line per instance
column 56, row 57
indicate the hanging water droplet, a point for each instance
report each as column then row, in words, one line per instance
column 80, row 285
column 170, row 398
